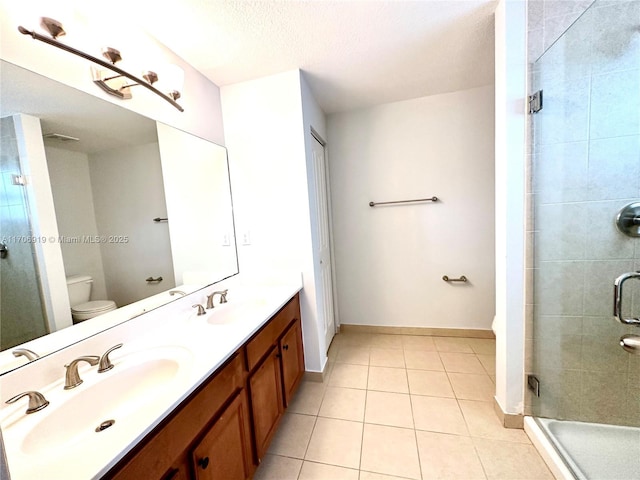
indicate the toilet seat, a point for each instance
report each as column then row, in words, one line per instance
column 87, row 310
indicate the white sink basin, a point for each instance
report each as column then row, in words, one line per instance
column 231, row 313
column 132, row 391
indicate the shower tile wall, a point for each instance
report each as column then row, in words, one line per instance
column 21, row 317
column 586, row 165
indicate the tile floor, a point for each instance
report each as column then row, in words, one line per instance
column 399, row 406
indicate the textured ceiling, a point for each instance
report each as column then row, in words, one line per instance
column 354, row 53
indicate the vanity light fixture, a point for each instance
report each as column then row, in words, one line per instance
column 116, row 85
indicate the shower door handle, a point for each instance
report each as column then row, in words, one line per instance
column 4, row 251
column 617, row 298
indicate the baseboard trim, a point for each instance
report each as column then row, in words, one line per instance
column 427, row 331
column 508, row 420
column 312, row 376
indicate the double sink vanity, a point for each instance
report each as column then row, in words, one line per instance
column 188, row 396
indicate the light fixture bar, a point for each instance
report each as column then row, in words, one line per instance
column 102, row 63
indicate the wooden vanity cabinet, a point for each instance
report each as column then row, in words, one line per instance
column 223, row 430
column 165, row 453
column 275, row 361
column 266, row 400
column 225, row 453
column 292, row 360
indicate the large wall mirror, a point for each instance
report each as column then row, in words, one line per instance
column 100, row 208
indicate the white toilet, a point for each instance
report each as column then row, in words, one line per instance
column 79, row 287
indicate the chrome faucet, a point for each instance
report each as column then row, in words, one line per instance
column 105, row 362
column 25, row 352
column 36, row 401
column 223, row 298
column 72, row 378
column 176, row 292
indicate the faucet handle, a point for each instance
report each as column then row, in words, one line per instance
column 105, row 362
column 36, row 401
column 201, row 310
column 223, row 295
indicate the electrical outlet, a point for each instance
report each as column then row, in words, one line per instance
column 246, row 237
column 226, row 239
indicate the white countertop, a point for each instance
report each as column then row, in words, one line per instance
column 50, row 443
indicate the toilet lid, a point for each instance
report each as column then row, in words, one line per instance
column 94, row 306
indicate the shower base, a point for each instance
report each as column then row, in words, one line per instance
column 587, row 451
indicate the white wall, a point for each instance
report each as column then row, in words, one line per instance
column 73, row 202
column 200, row 97
column 390, row 259
column 510, row 80
column 264, row 133
column 128, row 194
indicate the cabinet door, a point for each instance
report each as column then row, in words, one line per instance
column 178, row 473
column 266, row 400
column 225, row 451
column 292, row 360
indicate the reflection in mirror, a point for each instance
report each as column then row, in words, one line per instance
column 100, row 208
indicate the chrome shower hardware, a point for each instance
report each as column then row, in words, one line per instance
column 617, row 298
column 628, row 220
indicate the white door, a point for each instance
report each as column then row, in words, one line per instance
column 324, row 241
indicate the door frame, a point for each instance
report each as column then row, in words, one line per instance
column 327, row 186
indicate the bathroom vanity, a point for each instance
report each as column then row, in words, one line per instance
column 223, row 430
column 190, row 396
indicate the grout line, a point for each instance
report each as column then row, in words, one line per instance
column 364, row 416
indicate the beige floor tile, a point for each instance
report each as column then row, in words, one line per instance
column 386, row 357
column 336, row 442
column 386, row 341
column 343, row 403
column 437, row 414
column 276, row 467
column 293, row 434
column 461, row 362
column 390, row 450
column 320, row 471
column 349, row 376
column 386, row 379
column 307, row 399
column 493, row 378
column 452, row 344
column 424, row 382
column 376, row 476
column 444, row 456
column 482, row 421
column 355, row 354
column 488, row 362
column 471, row 386
column 423, row 360
column 385, row 408
column 482, row 345
column 418, row 342
column 506, row 461
column 363, row 339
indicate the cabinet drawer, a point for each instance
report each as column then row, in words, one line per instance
column 171, row 439
column 260, row 344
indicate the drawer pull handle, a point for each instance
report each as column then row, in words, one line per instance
column 203, row 463
column 285, row 347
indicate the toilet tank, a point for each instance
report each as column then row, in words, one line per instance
column 79, row 287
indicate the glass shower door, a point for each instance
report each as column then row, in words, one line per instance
column 586, row 167
column 22, row 315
